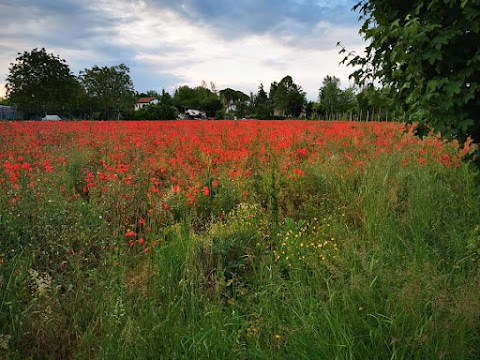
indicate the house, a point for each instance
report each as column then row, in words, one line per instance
column 144, row 102
column 231, row 107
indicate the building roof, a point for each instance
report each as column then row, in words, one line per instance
column 145, row 100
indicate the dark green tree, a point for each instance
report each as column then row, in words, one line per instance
column 311, row 110
column 262, row 106
column 185, row 97
column 158, row 111
column 166, row 98
column 199, row 98
column 348, row 100
column 377, row 100
column 367, row 97
column 84, row 105
column 40, row 83
column 5, row 102
column 239, row 99
column 427, row 54
column 262, row 96
column 329, row 95
column 149, row 93
column 164, row 110
column 230, row 95
column 288, row 98
column 110, row 89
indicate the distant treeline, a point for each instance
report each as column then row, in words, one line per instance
column 40, row 83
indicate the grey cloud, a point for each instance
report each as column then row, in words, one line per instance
column 73, row 26
column 68, row 24
column 235, row 18
column 291, row 22
column 71, row 19
column 72, row 22
column 275, row 63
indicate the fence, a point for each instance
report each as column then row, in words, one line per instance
column 363, row 115
column 8, row 113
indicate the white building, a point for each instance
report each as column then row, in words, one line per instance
column 145, row 101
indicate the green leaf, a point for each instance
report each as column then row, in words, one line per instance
column 453, row 88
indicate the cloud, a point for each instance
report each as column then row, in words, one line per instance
column 189, row 51
column 242, row 18
column 166, row 44
column 64, row 28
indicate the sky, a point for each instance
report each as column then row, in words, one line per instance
column 170, row 43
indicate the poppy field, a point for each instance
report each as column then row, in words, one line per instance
column 236, row 239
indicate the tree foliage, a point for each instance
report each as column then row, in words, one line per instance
column 230, row 95
column 262, row 96
column 329, row 93
column 371, row 97
column 333, row 99
column 261, row 105
column 288, row 97
column 150, row 93
column 39, row 83
column 109, row 88
column 199, row 98
column 427, row 53
column 5, row 102
column 164, row 110
column 239, row 99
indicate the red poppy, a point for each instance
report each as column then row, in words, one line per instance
column 299, row 172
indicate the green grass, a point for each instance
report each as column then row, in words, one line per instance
column 376, row 263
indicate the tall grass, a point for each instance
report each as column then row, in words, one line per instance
column 378, row 261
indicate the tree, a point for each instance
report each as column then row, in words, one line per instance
column 164, row 110
column 166, row 98
column 149, row 93
column 230, row 95
column 158, row 111
column 185, row 97
column 312, row 110
column 288, row 97
column 40, row 83
column 371, row 98
column 252, row 101
column 199, row 98
column 427, row 54
column 111, row 89
column 348, row 100
column 329, row 94
column 262, row 105
column 262, row 96
column 335, row 101
column 240, row 100
column 5, row 102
